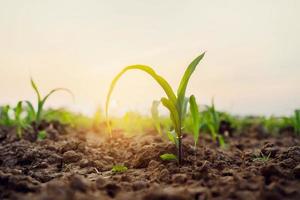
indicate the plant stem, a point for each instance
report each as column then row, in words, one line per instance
column 179, row 153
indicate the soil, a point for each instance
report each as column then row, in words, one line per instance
column 76, row 164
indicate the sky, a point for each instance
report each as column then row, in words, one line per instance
column 251, row 64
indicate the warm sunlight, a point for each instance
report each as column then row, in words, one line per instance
column 149, row 100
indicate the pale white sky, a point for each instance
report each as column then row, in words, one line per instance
column 252, row 64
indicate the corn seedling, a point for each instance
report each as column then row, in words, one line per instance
column 262, row 158
column 36, row 115
column 297, row 121
column 42, row 135
column 5, row 118
column 213, row 123
column 119, row 169
column 176, row 104
column 12, row 117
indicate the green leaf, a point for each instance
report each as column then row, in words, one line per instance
column 6, row 120
column 160, row 80
column 168, row 157
column 222, row 142
column 18, row 110
column 185, row 79
column 172, row 137
column 215, row 116
column 31, row 115
column 195, row 118
column 42, row 135
column 184, row 108
column 212, row 131
column 173, row 114
column 119, row 169
column 34, row 86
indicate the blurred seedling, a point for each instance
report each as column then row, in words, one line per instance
column 10, row 116
column 42, row 135
column 119, row 169
column 176, row 104
column 5, row 118
column 262, row 158
column 36, row 115
column 213, row 122
column 297, row 122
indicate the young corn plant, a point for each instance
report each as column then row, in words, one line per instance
column 175, row 103
column 5, row 118
column 213, row 123
column 36, row 115
column 11, row 116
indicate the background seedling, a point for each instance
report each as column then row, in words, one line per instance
column 297, row 121
column 42, row 135
column 119, row 169
column 37, row 114
column 10, row 116
column 262, row 158
column 213, row 123
column 176, row 104
column 5, row 118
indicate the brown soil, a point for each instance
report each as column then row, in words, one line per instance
column 74, row 164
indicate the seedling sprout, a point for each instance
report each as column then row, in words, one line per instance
column 119, row 169
column 176, row 104
column 37, row 114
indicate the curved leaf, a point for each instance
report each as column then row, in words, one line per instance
column 173, row 114
column 34, row 86
column 160, row 80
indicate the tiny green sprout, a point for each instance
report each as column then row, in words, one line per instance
column 37, row 114
column 262, row 158
column 168, row 157
column 175, row 103
column 297, row 121
column 42, row 135
column 119, row 169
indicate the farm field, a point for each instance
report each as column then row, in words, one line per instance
column 84, row 163
column 149, row 100
column 196, row 153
